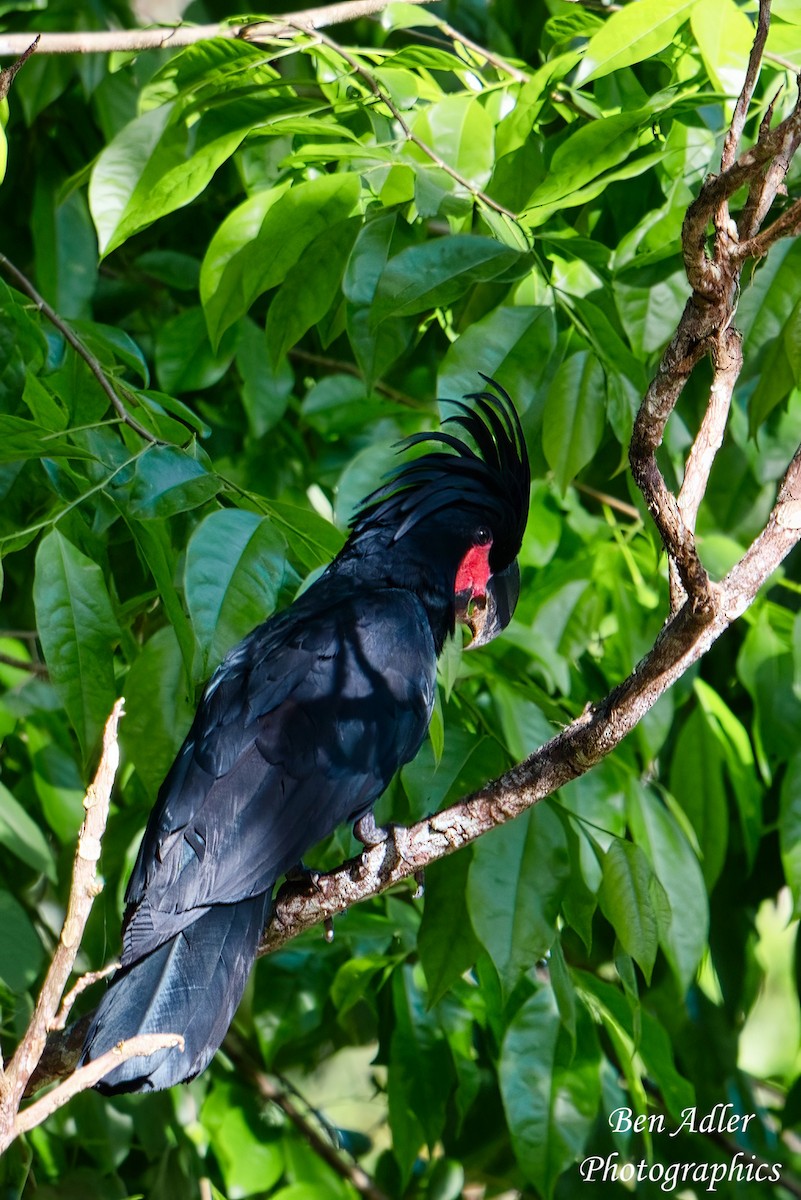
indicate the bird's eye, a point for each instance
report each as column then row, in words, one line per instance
column 482, row 536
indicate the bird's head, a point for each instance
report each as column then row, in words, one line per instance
column 453, row 518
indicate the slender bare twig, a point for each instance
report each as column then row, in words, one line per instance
column 494, row 60
column 144, row 1044
column 384, row 98
column 80, row 986
column 346, row 1167
column 731, row 142
column 787, row 225
column 175, row 36
column 85, row 886
column 20, row 664
column 7, row 74
column 621, row 506
column 347, row 368
column 67, row 333
column 727, row 354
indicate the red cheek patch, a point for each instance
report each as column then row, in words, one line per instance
column 474, row 571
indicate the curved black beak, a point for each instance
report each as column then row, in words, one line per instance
column 488, row 616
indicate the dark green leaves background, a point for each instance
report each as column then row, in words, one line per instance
column 281, row 283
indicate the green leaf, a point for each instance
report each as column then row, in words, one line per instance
column 235, row 566
column 60, row 789
column 21, row 439
column 586, row 154
column 684, row 934
column 421, row 1075
column 633, row 901
column 247, row 1151
column 446, row 943
column 790, row 829
column 153, row 543
column 696, row 780
column 168, row 481
column 247, row 257
column 741, row 768
column 634, row 33
column 724, row 36
column 460, row 131
column 159, row 708
column 574, row 416
column 185, row 360
column 314, row 541
column 267, row 380
column 311, row 286
column 550, row 1097
column 23, row 837
column 78, row 630
column 517, row 879
column 514, row 345
column 650, row 304
column 21, row 951
column 158, row 163
column 438, row 272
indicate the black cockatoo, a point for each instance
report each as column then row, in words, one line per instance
column 301, row 728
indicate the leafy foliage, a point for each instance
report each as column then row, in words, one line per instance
column 281, row 255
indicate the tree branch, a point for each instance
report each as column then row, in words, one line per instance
column 175, row 36
column 345, row 1167
column 706, row 325
column 85, row 1077
column 85, row 886
column 385, row 99
column 67, row 333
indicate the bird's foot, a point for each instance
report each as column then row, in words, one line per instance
column 303, row 875
column 368, row 833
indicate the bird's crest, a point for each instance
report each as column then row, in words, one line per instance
column 494, row 478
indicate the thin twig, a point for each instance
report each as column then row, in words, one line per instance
column 731, row 143
column 176, row 36
column 343, row 367
column 727, row 353
column 787, row 225
column 19, row 664
column 7, row 74
column 144, row 1044
column 621, row 506
column 80, row 986
column 85, row 886
column 408, row 132
column 93, row 364
column 494, row 60
column 346, row 1167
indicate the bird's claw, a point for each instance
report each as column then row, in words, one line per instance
column 303, row 875
column 368, row 833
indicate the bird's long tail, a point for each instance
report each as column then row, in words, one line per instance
column 190, row 985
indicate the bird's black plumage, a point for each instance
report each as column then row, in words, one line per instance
column 301, row 728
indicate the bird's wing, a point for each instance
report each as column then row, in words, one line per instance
column 301, row 728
